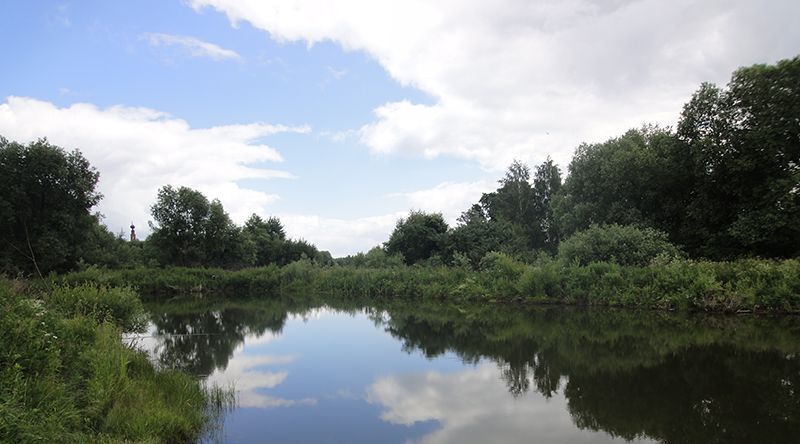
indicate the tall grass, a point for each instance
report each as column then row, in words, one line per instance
column 66, row 376
column 665, row 283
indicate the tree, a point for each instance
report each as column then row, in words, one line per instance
column 546, row 184
column 418, row 237
column 46, row 195
column 513, row 201
column 191, row 231
column 224, row 246
column 511, row 209
column 263, row 238
column 476, row 235
column 643, row 178
column 745, row 145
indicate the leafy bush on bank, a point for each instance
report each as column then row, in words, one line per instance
column 620, row 244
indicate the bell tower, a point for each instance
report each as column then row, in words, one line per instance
column 133, row 232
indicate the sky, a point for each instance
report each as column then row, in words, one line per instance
column 339, row 117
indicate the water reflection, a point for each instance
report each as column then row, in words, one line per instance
column 490, row 373
column 201, row 337
column 450, row 400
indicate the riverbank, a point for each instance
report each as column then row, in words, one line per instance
column 66, row 376
column 749, row 285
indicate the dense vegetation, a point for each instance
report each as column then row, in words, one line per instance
column 67, row 377
column 744, row 285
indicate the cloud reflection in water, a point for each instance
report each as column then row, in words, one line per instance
column 474, row 405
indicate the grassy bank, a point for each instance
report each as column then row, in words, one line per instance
column 744, row 285
column 66, row 376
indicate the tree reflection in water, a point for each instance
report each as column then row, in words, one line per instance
column 669, row 377
column 199, row 338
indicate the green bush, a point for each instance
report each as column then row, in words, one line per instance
column 619, row 244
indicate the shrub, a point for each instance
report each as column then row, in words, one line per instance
column 619, row 244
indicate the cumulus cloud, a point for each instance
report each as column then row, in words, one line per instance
column 349, row 236
column 474, row 405
column 247, row 375
column 521, row 79
column 138, row 150
column 193, row 46
column 341, row 236
column 449, row 198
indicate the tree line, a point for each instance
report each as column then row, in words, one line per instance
column 723, row 184
column 47, row 224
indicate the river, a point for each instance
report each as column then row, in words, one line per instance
column 406, row 371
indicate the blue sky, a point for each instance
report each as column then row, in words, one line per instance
column 341, row 116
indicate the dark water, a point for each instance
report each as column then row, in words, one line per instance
column 411, row 372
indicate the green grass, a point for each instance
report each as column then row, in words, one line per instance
column 66, row 376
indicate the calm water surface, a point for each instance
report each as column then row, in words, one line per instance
column 410, row 372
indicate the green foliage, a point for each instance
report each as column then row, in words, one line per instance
column 546, row 185
column 67, row 377
column 515, row 219
column 418, row 236
column 624, row 245
column 513, row 201
column 745, row 148
column 665, row 282
column 129, row 399
column 266, row 243
column 263, row 240
column 641, row 178
column 103, row 248
column 191, row 231
column 501, row 274
column 117, row 305
column 376, row 257
column 476, row 235
column 724, row 185
column 46, row 194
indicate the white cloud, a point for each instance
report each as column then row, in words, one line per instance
column 341, row 236
column 349, row 236
column 245, row 373
column 194, row 46
column 522, row 79
column 138, row 150
column 474, row 405
column 449, row 198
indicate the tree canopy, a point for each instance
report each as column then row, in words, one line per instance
column 418, row 236
column 191, row 231
column 744, row 142
column 46, row 197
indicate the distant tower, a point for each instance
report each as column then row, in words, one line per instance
column 133, row 232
